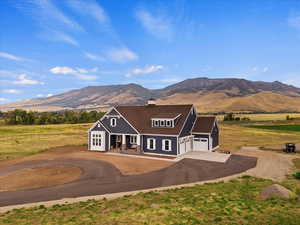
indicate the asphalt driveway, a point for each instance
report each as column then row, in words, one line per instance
column 100, row 177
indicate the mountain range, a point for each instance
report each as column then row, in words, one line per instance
column 208, row 95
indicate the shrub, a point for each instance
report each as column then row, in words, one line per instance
column 297, row 175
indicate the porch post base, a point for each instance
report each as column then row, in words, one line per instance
column 138, row 148
column 123, row 147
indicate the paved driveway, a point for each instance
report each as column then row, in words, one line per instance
column 100, row 177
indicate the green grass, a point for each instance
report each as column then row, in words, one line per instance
column 290, row 127
column 235, row 202
column 23, row 140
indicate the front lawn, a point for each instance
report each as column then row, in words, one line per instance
column 235, row 202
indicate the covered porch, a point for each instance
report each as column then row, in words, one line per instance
column 126, row 143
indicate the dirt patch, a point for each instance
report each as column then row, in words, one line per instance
column 127, row 165
column 47, row 176
column 270, row 165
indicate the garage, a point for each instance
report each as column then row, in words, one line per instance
column 185, row 144
column 201, row 144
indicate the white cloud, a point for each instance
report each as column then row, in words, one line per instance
column 257, row 69
column 53, row 22
column 171, row 80
column 24, row 80
column 80, row 73
column 63, row 70
column 49, row 95
column 12, row 91
column 122, row 55
column 157, row 25
column 94, row 57
column 39, row 95
column 265, row 69
column 145, row 70
column 12, row 57
column 91, row 8
column 3, row 99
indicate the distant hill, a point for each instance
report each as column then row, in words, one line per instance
column 209, row 95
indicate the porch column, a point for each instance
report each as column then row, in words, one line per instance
column 138, row 143
column 123, row 147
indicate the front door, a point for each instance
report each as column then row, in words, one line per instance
column 98, row 140
column 200, row 144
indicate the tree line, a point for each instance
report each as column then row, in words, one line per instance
column 22, row 117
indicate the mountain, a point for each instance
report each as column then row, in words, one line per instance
column 208, row 95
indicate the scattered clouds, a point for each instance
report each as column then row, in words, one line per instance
column 93, row 9
column 24, row 80
column 11, row 57
column 12, row 91
column 54, row 24
column 294, row 21
column 171, row 80
column 80, row 73
column 94, row 57
column 260, row 69
column 43, row 95
column 145, row 70
column 122, row 55
column 3, row 99
column 158, row 25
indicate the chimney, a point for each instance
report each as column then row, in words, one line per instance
column 151, row 101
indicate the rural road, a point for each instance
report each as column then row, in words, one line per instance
column 100, row 177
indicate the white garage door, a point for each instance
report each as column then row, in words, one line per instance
column 200, row 144
column 98, row 141
column 185, row 145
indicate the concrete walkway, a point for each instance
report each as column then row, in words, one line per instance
column 206, row 156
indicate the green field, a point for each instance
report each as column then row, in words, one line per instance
column 292, row 127
column 22, row 140
column 235, row 202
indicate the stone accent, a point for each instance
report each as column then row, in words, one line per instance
column 138, row 149
column 276, row 190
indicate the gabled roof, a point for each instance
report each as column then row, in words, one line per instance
column 140, row 117
column 204, row 124
column 164, row 115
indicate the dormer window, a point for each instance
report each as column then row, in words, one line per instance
column 156, row 123
column 162, row 123
column 168, row 123
column 113, row 122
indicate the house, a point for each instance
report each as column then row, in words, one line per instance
column 154, row 129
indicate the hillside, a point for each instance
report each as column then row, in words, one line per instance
column 209, row 95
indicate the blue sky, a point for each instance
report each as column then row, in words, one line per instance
column 51, row 46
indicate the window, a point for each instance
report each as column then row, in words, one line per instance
column 168, row 123
column 151, row 143
column 133, row 139
column 113, row 122
column 166, row 145
column 156, row 123
column 162, row 123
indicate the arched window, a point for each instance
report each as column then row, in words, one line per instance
column 113, row 122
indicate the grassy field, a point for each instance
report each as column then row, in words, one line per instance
column 23, row 140
column 292, row 127
column 266, row 116
column 235, row 202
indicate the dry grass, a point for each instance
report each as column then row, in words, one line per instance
column 234, row 136
column 266, row 116
column 19, row 141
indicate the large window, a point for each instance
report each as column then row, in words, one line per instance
column 113, row 122
column 151, row 143
column 166, row 145
column 168, row 123
column 133, row 140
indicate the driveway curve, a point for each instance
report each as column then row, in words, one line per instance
column 100, row 177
